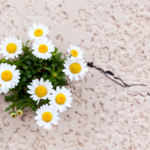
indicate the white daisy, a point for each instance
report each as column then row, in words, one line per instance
column 46, row 116
column 9, row 76
column 76, row 52
column 11, row 47
column 42, row 48
column 38, row 31
column 75, row 68
column 3, row 90
column 61, row 98
column 40, row 89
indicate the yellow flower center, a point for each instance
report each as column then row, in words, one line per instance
column 6, row 75
column 60, row 99
column 19, row 113
column 55, row 74
column 75, row 68
column 74, row 53
column 47, row 116
column 43, row 48
column 11, row 48
column 0, row 85
column 40, row 91
column 38, row 32
column 13, row 116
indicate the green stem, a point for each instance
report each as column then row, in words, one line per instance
column 23, row 107
column 13, row 109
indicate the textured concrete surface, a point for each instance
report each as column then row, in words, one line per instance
column 115, row 35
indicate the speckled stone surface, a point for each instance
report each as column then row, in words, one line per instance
column 115, row 36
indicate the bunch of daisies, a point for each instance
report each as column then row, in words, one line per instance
column 58, row 98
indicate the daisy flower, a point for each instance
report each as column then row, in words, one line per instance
column 2, row 90
column 42, row 48
column 38, row 31
column 46, row 116
column 11, row 47
column 75, row 52
column 40, row 89
column 9, row 76
column 61, row 98
column 75, row 68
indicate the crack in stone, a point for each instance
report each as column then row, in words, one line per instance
column 112, row 77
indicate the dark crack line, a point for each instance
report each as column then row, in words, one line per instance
column 109, row 73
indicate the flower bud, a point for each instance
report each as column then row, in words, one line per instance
column 55, row 74
column 13, row 114
column 19, row 112
column 3, row 60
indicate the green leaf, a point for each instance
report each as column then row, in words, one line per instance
column 24, row 79
column 29, row 75
column 10, row 106
column 38, row 69
column 47, row 68
column 25, row 67
column 53, row 65
column 27, row 43
column 20, row 104
column 22, row 72
column 28, row 62
column 60, row 54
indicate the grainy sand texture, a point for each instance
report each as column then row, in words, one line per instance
column 115, row 36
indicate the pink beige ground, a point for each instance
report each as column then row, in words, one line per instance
column 115, row 36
